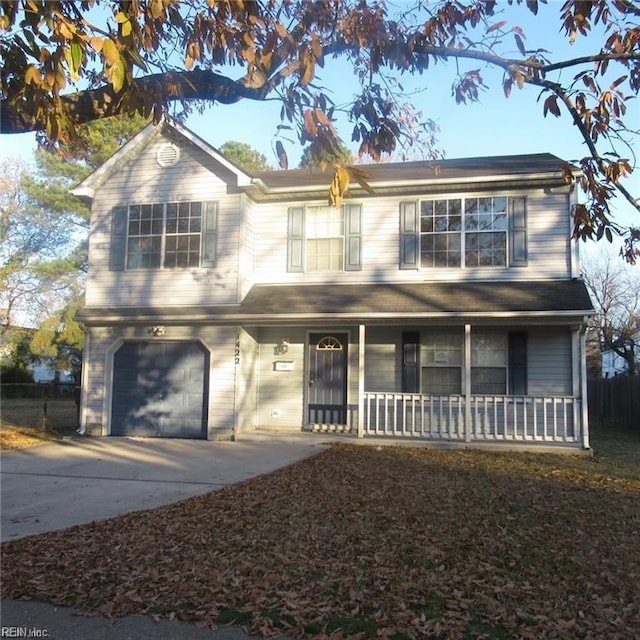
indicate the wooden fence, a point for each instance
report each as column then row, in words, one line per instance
column 615, row 400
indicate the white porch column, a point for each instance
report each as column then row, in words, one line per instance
column 579, row 373
column 361, row 342
column 467, row 382
column 583, row 386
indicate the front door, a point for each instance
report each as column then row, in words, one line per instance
column 328, row 378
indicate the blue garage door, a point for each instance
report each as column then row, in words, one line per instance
column 159, row 389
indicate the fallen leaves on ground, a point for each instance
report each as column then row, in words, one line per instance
column 364, row 542
column 14, row 437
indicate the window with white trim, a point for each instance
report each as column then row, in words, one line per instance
column 173, row 235
column 498, row 362
column 325, row 239
column 322, row 238
column 488, row 363
column 442, row 361
column 465, row 232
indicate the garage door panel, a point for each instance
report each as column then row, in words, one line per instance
column 159, row 390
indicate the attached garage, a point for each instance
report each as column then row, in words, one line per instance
column 160, row 389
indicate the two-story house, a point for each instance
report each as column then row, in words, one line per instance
column 446, row 305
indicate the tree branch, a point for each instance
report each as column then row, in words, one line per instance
column 86, row 106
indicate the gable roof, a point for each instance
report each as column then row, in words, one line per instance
column 525, row 169
column 170, row 130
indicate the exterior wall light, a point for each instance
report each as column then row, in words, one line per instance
column 282, row 347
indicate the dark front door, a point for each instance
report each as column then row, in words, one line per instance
column 328, row 378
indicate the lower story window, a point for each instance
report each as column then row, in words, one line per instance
column 441, row 356
column 498, row 362
column 488, row 364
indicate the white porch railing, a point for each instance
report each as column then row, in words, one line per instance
column 487, row 418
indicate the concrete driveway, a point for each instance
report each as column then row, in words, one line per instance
column 54, row 486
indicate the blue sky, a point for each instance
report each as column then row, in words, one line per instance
column 495, row 126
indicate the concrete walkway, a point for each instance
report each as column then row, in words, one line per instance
column 77, row 481
column 58, row 485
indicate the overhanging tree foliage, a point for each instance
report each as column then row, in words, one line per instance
column 65, row 63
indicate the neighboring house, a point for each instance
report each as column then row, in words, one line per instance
column 445, row 306
column 613, row 364
column 46, row 372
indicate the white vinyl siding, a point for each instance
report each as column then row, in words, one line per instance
column 383, row 359
column 548, row 366
column 247, row 391
column 547, row 238
column 190, row 180
column 549, row 362
column 281, row 393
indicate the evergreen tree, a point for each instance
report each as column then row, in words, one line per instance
column 44, row 232
column 245, row 156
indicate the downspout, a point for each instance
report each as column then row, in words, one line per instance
column 583, row 385
column 84, row 380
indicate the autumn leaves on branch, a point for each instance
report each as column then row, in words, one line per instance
column 68, row 63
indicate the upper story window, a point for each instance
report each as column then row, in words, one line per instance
column 170, row 235
column 463, row 232
column 324, row 239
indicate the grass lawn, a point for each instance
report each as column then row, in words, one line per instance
column 365, row 542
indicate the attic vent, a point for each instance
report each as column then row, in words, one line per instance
column 168, row 155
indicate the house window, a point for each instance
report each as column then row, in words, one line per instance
column 170, row 235
column 498, row 362
column 488, row 363
column 485, row 224
column 463, row 233
column 441, row 357
column 441, row 233
column 324, row 239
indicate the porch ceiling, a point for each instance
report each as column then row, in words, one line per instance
column 374, row 301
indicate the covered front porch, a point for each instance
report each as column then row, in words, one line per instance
column 469, row 417
column 459, row 363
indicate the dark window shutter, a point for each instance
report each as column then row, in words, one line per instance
column 118, row 248
column 295, row 240
column 518, row 363
column 410, row 361
column 409, row 236
column 518, row 231
column 209, row 234
column 353, row 237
